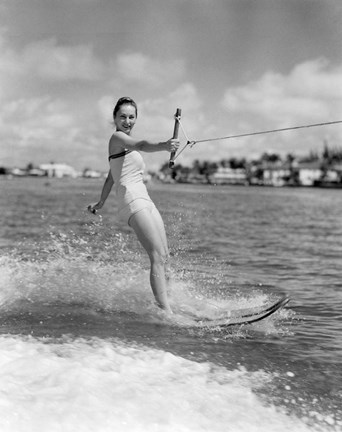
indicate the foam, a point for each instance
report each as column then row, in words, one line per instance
column 95, row 385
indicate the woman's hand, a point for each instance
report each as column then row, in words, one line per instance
column 171, row 145
column 92, row 208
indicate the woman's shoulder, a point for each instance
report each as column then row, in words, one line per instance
column 116, row 142
column 117, row 136
column 119, row 140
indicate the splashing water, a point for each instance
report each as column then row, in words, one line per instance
column 84, row 348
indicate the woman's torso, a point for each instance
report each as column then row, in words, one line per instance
column 127, row 169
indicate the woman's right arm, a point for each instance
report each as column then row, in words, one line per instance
column 121, row 140
column 107, row 187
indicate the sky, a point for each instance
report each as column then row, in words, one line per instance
column 232, row 66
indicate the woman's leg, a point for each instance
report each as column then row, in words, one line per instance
column 150, row 231
column 160, row 223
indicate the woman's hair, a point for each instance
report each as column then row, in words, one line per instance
column 125, row 101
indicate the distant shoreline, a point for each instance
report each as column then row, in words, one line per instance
column 49, row 180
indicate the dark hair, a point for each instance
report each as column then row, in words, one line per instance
column 123, row 101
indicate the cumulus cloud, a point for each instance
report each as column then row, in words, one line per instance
column 38, row 119
column 312, row 91
column 187, row 96
column 138, row 67
column 158, row 112
column 48, row 60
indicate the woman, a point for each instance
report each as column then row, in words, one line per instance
column 135, row 205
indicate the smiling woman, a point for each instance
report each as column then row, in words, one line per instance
column 135, row 205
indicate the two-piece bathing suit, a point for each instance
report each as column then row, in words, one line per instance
column 127, row 169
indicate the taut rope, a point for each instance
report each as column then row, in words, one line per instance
column 193, row 142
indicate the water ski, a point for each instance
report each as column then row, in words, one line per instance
column 244, row 316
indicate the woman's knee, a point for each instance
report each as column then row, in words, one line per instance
column 159, row 256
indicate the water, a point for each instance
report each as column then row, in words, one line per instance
column 83, row 348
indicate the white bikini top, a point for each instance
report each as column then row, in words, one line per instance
column 127, row 167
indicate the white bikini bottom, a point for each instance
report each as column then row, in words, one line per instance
column 134, row 207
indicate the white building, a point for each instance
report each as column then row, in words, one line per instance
column 276, row 175
column 59, row 170
column 309, row 173
column 225, row 175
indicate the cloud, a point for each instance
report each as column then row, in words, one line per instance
column 46, row 128
column 158, row 112
column 50, row 61
column 38, row 119
column 138, row 67
column 312, row 91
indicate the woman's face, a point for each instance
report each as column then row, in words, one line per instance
column 125, row 118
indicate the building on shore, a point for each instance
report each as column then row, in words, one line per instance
column 226, row 175
column 309, row 173
column 58, row 170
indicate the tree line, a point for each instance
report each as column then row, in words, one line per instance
column 329, row 156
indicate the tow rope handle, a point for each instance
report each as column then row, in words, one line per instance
column 175, row 135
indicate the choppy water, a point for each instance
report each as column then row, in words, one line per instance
column 83, row 348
